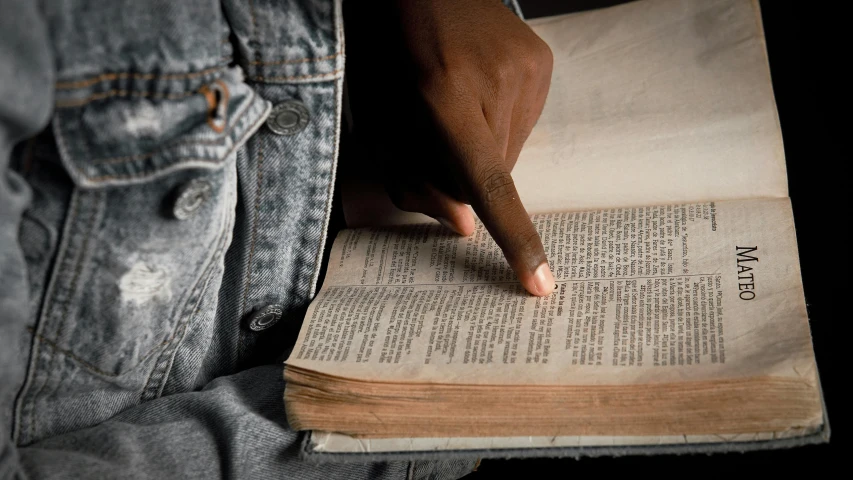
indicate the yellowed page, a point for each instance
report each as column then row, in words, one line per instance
column 651, row 102
column 645, row 295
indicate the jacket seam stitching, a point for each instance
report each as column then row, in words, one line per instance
column 248, row 283
column 121, row 93
column 293, row 62
column 90, row 225
column 254, row 226
column 253, row 39
column 35, row 362
column 319, row 76
column 70, row 85
column 327, row 215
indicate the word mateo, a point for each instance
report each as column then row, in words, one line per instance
column 745, row 277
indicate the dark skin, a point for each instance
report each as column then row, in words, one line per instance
column 475, row 82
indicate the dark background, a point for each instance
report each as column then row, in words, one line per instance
column 807, row 48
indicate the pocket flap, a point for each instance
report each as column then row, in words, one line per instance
column 126, row 137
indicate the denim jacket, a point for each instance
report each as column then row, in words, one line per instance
column 166, row 177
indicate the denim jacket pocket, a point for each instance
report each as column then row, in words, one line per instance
column 123, row 134
column 142, row 247
column 151, row 208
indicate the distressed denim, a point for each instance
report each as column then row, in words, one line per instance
column 146, row 213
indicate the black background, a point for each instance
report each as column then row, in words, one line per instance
column 807, row 48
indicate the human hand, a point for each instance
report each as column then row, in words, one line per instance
column 476, row 79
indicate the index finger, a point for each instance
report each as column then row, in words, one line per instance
column 490, row 187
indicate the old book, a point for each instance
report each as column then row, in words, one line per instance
column 656, row 178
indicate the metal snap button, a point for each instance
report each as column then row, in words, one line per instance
column 190, row 197
column 264, row 318
column 288, row 118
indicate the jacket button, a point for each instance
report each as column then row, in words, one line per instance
column 288, row 118
column 264, row 318
column 190, row 197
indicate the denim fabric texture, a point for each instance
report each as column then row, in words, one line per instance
column 146, row 212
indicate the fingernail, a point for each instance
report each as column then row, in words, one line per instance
column 543, row 280
column 448, row 225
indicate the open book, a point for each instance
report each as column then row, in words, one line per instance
column 656, row 178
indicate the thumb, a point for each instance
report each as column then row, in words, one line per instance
column 431, row 201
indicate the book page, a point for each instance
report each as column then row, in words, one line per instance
column 651, row 102
column 338, row 442
column 661, row 294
